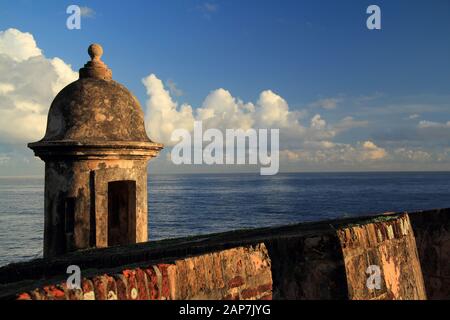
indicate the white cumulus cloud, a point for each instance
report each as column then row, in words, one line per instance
column 221, row 110
column 163, row 114
column 18, row 46
column 28, row 83
column 329, row 152
column 370, row 151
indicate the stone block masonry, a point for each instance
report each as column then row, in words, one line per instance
column 323, row 260
column 239, row 273
column 388, row 244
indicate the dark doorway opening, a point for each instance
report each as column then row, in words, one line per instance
column 69, row 223
column 121, row 212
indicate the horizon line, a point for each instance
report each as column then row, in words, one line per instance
column 257, row 173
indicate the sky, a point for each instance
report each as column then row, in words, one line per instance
column 344, row 97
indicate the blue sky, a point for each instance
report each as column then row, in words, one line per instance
column 304, row 51
column 300, row 49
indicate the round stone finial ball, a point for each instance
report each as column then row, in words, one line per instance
column 95, row 51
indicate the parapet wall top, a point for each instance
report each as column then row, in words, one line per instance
column 96, row 68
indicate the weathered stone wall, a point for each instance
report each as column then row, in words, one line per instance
column 86, row 181
column 239, row 273
column 387, row 245
column 334, row 264
column 324, row 260
column 102, row 173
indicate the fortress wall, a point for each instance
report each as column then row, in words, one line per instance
column 307, row 267
column 324, row 260
column 334, row 265
column 386, row 247
column 239, row 273
column 432, row 232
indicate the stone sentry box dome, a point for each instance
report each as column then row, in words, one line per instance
column 96, row 152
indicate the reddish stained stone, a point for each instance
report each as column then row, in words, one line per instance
column 265, row 287
column 110, row 286
column 152, row 282
column 165, row 289
column 100, row 288
column 235, row 282
column 266, row 297
column 132, row 290
column 61, row 288
column 54, row 293
column 24, row 296
column 141, row 282
column 121, row 284
column 249, row 293
column 128, row 273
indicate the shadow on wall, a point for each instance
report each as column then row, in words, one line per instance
column 432, row 233
column 323, row 260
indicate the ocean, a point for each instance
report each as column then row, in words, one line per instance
column 183, row 205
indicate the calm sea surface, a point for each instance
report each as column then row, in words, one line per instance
column 181, row 205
